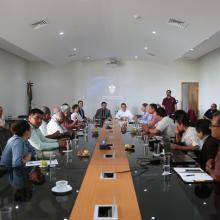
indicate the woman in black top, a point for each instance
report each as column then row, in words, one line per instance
column 209, row 144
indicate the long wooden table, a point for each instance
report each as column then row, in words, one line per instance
column 95, row 191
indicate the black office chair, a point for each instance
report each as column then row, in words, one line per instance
column 5, row 134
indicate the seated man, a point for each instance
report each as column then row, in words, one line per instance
column 18, row 150
column 124, row 114
column 165, row 125
column 208, row 114
column 2, row 117
column 68, row 124
column 103, row 113
column 37, row 139
column 186, row 136
column 209, row 144
column 45, row 121
column 146, row 117
column 81, row 111
column 54, row 124
column 213, row 165
column 75, row 116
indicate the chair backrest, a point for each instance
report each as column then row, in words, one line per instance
column 192, row 116
column 5, row 134
column 23, row 116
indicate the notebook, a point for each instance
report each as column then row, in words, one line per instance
column 193, row 175
column 37, row 163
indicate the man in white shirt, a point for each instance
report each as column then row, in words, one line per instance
column 186, row 136
column 54, row 124
column 37, row 139
column 2, row 117
column 124, row 114
column 45, row 121
column 165, row 126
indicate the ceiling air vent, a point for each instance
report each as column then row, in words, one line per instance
column 178, row 23
column 39, row 24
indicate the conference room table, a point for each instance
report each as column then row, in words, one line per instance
column 159, row 197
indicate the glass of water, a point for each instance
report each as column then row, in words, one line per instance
column 166, row 164
column 6, row 213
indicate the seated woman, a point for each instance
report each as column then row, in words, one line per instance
column 75, row 116
column 18, row 150
column 186, row 136
column 146, row 117
column 153, row 111
column 209, row 144
column 68, row 124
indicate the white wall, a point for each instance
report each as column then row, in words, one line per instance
column 13, row 73
column 135, row 81
column 209, row 68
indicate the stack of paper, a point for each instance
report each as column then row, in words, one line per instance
column 193, row 175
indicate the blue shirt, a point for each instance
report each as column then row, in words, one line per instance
column 146, row 118
column 14, row 152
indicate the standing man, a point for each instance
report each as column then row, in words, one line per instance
column 169, row 103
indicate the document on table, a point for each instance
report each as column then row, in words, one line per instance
column 37, row 163
column 193, row 175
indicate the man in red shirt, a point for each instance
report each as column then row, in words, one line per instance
column 213, row 165
column 169, row 103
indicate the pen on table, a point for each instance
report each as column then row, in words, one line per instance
column 190, row 175
column 194, row 170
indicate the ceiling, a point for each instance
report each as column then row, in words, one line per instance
column 100, row 29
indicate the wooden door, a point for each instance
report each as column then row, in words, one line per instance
column 190, row 96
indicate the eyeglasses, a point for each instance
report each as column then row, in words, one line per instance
column 214, row 126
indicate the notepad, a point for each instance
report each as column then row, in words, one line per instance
column 193, row 175
column 37, row 163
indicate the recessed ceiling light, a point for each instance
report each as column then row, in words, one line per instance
column 191, row 49
column 146, row 48
column 154, row 32
column 137, row 17
column 75, row 49
column 61, row 33
column 135, row 57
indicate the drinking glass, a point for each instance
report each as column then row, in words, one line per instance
column 6, row 213
column 156, row 149
column 166, row 164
